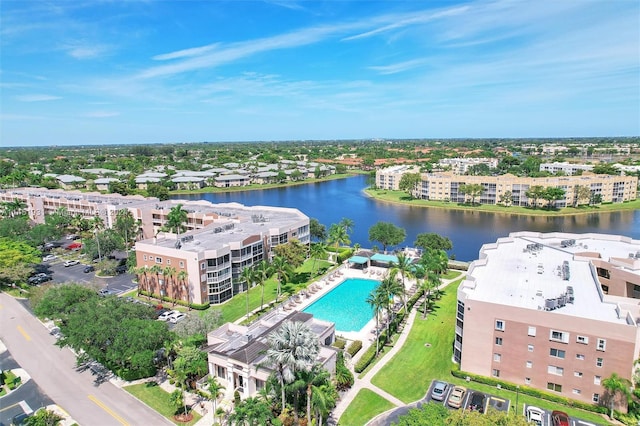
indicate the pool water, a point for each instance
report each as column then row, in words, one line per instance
column 345, row 305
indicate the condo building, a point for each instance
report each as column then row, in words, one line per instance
column 553, row 311
column 460, row 166
column 389, row 177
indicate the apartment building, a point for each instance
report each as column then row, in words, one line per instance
column 460, row 166
column 512, row 189
column 226, row 238
column 236, row 353
column 389, row 177
column 557, row 312
column 568, row 169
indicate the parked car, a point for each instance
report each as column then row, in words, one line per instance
column 457, row 397
column 121, row 269
column 106, row 292
column 72, row 237
column 173, row 319
column 89, row 268
column 534, row 415
column 70, row 263
column 477, row 402
column 164, row 316
column 74, row 246
column 559, row 418
column 439, row 391
column 49, row 257
column 39, row 279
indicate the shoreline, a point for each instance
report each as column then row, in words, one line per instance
column 608, row 208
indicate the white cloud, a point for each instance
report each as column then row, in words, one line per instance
column 37, row 98
column 398, row 67
column 186, row 53
column 101, row 114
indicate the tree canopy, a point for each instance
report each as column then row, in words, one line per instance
column 432, row 240
column 409, row 182
column 387, row 234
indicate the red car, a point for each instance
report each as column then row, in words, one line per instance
column 74, row 246
column 559, row 418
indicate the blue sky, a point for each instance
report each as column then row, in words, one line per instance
column 94, row 72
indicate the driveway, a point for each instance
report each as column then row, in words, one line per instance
column 53, row 369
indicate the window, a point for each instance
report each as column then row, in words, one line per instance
column 602, row 344
column 499, row 341
column 552, row 369
column 532, row 331
column 580, row 357
column 203, row 266
column 530, row 348
column 495, row 373
column 576, row 391
column 599, row 362
column 499, row 325
column 168, row 261
column 557, row 353
column 527, row 380
column 158, row 260
column 559, row 336
column 595, row 397
column 577, row 373
column 144, row 257
column 529, row 364
column 182, row 263
column 554, row 387
column 497, row 357
column 582, row 339
column 596, row 380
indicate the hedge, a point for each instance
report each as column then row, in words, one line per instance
column 129, row 375
column 339, row 343
column 530, row 391
column 354, row 347
column 196, row 306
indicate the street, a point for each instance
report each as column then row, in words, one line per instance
column 53, row 369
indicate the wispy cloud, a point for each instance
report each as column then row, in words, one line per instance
column 398, row 67
column 18, row 117
column 186, row 53
column 101, row 114
column 37, row 98
column 85, row 50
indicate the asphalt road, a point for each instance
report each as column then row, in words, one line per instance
column 53, row 369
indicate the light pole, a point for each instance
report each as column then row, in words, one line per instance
column 517, row 394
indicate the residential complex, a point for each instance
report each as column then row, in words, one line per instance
column 236, row 353
column 572, row 169
column 555, row 311
column 460, row 166
column 510, row 189
column 389, row 178
column 220, row 239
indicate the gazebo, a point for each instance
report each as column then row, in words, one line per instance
column 359, row 261
column 384, row 259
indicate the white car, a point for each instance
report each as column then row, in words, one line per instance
column 177, row 317
column 166, row 315
column 70, row 263
column 49, row 257
column 534, row 415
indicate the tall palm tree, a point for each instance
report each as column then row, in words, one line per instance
column 215, row 390
column 156, row 270
column 263, row 271
column 182, row 278
column 248, row 275
column 388, row 288
column 323, row 400
column 377, row 302
column 283, row 270
column 314, row 376
column 176, row 220
column 169, row 273
column 404, row 267
column 347, row 224
column 97, row 223
column 614, row 385
column 317, row 251
column 292, row 347
column 338, row 235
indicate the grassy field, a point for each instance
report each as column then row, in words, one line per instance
column 365, row 406
column 159, row 400
column 424, row 364
column 401, row 197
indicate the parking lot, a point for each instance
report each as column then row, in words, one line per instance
column 546, row 417
column 485, row 400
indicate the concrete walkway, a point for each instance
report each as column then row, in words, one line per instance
column 365, row 381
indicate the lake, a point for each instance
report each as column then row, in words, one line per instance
column 330, row 201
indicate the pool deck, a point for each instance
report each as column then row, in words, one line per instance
column 321, row 287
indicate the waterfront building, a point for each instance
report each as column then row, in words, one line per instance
column 460, row 166
column 552, row 311
column 511, row 190
column 568, row 169
column 236, row 353
column 389, row 177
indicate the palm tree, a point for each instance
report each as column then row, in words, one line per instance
column 176, row 220
column 263, row 271
column 215, row 390
column 377, row 303
column 283, row 271
column 388, row 288
column 96, row 225
column 248, row 275
column 317, row 251
column 292, row 347
column 157, row 270
column 404, row 267
column 169, row 272
column 614, row 385
column 323, row 400
column 431, row 281
column 347, row 224
column 338, row 235
column 315, row 376
column 182, row 278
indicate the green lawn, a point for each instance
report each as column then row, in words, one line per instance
column 159, row 400
column 402, row 198
column 423, row 364
column 451, row 274
column 365, row 406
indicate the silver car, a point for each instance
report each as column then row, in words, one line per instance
column 439, row 391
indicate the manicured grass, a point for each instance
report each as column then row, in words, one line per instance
column 401, row 197
column 365, row 406
column 159, row 400
column 417, row 361
column 451, row 274
column 424, row 364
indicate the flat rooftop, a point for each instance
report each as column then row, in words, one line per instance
column 527, row 268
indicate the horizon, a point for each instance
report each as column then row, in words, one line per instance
column 138, row 73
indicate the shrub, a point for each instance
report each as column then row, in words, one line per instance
column 366, row 358
column 354, row 347
column 129, row 375
column 339, row 343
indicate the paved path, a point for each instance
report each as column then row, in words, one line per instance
column 365, row 381
column 53, row 369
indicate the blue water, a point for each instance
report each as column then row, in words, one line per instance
column 345, row 305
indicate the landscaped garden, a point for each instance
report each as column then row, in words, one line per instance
column 159, row 400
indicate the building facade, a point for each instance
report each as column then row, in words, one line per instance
column 236, row 353
column 557, row 312
column 460, row 166
column 389, row 178
column 511, row 190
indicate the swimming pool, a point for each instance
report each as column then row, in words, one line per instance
column 345, row 305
